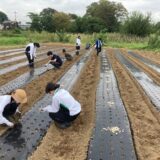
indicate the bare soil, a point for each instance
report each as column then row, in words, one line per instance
column 143, row 117
column 149, row 71
column 13, row 74
column 35, row 89
column 154, row 56
column 72, row 143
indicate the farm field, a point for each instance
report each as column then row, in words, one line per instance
column 119, row 93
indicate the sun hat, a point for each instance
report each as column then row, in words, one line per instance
column 19, row 95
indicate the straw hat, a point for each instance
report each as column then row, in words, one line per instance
column 19, row 95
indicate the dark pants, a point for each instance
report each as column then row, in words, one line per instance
column 56, row 64
column 30, row 61
column 68, row 57
column 77, row 50
column 98, row 50
column 62, row 116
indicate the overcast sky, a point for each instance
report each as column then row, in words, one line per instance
column 22, row 7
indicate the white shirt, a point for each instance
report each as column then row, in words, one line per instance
column 63, row 97
column 32, row 50
column 4, row 100
column 78, row 42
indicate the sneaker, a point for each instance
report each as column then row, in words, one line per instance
column 63, row 125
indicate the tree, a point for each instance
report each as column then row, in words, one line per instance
column 73, row 16
column 36, row 22
column 111, row 13
column 62, row 21
column 91, row 24
column 138, row 24
column 157, row 26
column 88, row 24
column 46, row 18
column 48, row 11
column 3, row 17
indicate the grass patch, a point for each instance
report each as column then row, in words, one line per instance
column 114, row 40
column 12, row 41
column 132, row 45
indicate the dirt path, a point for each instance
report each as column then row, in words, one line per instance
column 72, row 143
column 145, row 126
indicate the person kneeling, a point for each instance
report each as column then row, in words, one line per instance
column 55, row 60
column 64, row 108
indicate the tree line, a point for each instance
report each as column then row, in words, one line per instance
column 102, row 16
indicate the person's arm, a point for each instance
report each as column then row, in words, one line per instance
column 34, row 53
column 3, row 120
column 54, row 107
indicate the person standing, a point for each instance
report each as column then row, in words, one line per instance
column 98, row 45
column 78, row 45
column 30, row 52
column 9, row 105
column 54, row 59
column 64, row 108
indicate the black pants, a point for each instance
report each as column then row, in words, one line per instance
column 62, row 116
column 77, row 50
column 56, row 64
column 68, row 57
column 30, row 61
column 98, row 50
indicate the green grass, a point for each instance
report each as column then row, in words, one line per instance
column 115, row 40
column 12, row 41
column 132, row 45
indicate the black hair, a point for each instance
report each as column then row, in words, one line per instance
column 49, row 53
column 51, row 87
column 36, row 44
column 63, row 50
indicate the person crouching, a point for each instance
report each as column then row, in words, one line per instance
column 64, row 108
column 55, row 60
column 67, row 55
column 9, row 105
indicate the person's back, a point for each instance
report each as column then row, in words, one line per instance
column 30, row 52
column 66, row 100
column 56, row 58
column 68, row 57
column 98, row 45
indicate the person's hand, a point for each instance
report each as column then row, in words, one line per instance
column 11, row 125
column 17, row 116
column 41, row 110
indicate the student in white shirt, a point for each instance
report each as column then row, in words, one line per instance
column 64, row 108
column 9, row 105
column 78, row 45
column 31, row 53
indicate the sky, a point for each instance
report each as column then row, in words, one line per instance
column 19, row 8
